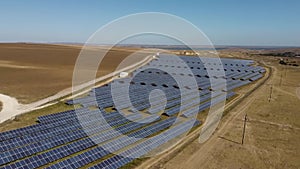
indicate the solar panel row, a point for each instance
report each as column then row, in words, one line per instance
column 54, row 131
column 56, row 140
column 79, row 145
column 146, row 146
column 112, row 146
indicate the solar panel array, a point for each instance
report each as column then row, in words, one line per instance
column 134, row 126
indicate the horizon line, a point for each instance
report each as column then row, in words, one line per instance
column 143, row 44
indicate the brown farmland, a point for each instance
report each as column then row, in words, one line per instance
column 30, row 72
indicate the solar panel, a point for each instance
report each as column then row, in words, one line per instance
column 61, row 135
column 82, row 144
column 146, row 146
column 115, row 145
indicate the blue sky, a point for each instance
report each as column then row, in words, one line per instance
column 230, row 22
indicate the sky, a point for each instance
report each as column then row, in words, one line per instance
column 225, row 22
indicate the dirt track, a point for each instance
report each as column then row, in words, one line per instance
column 32, row 78
column 12, row 108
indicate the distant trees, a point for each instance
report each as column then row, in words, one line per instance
column 283, row 62
column 284, row 54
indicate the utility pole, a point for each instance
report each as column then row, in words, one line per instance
column 271, row 90
column 244, row 129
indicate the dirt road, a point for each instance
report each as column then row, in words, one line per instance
column 12, row 108
column 30, row 72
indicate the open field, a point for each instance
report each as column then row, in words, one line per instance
column 30, row 72
column 272, row 129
